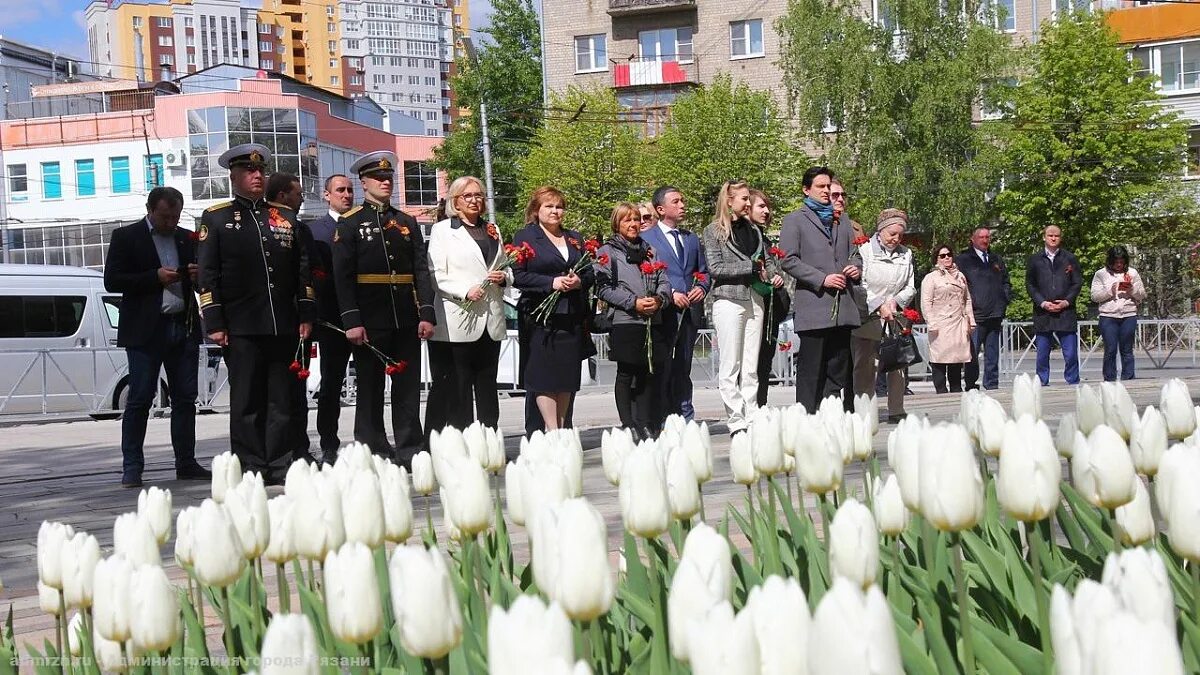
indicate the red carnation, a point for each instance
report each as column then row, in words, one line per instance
column 785, row 346
column 509, row 248
column 699, row 277
column 527, row 250
column 912, row 315
column 592, row 245
column 603, row 259
column 573, row 242
column 648, row 268
column 860, row 240
column 777, row 252
column 390, row 369
column 302, row 373
column 194, row 235
column 319, row 274
column 295, row 366
column 660, row 266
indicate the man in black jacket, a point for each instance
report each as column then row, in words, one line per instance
column 991, row 291
column 1053, row 280
column 151, row 263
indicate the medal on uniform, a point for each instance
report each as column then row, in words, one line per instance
column 237, row 216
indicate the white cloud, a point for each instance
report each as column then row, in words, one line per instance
column 14, row 13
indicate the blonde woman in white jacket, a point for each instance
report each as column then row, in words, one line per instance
column 1118, row 289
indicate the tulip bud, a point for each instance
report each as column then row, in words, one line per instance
column 1134, row 521
column 904, row 456
column 428, row 618
column 1089, row 409
column 282, row 547
column 703, row 579
column 1063, row 637
column 1030, row 471
column 290, row 646
column 154, row 622
column 299, row 476
column 79, row 558
column 446, row 447
column 572, row 543
column 697, row 442
column 570, row 457
column 216, row 547
column 74, row 632
column 861, row 444
column 320, row 514
column 110, row 655
column 351, row 594
column 989, row 425
column 1119, row 409
column 766, row 443
column 48, row 600
column 683, row 488
column 1176, row 404
column 1111, row 469
column 891, row 516
column 724, row 644
column 837, row 427
column 1183, row 519
column 741, row 460
column 155, row 506
column 466, row 498
column 134, row 539
column 1064, row 437
column 51, row 539
column 854, row 544
column 779, row 613
column 1125, row 644
column 355, row 456
column 226, row 474
column 1148, row 441
column 1138, row 578
column 113, row 591
column 476, row 439
column 951, row 487
column 852, row 632
column 968, row 410
column 866, row 408
column 1180, row 465
column 1027, row 397
column 184, row 528
column 246, row 506
column 397, row 503
column 529, row 638
column 615, row 446
column 362, row 510
column 645, row 503
column 819, row 461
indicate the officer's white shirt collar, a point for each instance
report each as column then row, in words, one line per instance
column 334, row 214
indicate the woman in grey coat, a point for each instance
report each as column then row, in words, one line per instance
column 635, row 289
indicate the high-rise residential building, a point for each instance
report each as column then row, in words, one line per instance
column 396, row 52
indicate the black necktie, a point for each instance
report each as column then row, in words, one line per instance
column 678, row 243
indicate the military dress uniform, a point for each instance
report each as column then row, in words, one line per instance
column 383, row 284
column 255, row 286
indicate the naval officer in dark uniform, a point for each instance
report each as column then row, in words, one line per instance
column 257, row 301
column 381, row 273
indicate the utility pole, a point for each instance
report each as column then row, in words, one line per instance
column 469, row 46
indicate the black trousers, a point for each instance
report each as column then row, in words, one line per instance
column 638, row 396
column 335, row 354
column 939, row 373
column 262, row 396
column 823, row 367
column 400, row 345
column 766, row 358
column 464, row 383
column 300, row 440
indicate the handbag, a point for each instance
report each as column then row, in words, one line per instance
column 897, row 349
column 602, row 318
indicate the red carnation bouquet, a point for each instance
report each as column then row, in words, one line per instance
column 650, row 270
column 512, row 255
column 390, row 366
column 860, row 240
column 299, row 364
column 542, row 312
column 912, row 316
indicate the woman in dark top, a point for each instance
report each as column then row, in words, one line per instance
column 780, row 302
column 635, row 299
column 557, row 341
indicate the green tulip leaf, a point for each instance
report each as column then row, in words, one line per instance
column 992, row 659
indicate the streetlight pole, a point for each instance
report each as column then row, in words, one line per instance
column 469, row 46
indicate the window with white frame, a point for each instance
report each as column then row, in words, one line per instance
column 1176, row 65
column 351, row 44
column 264, row 29
column 882, row 11
column 745, row 39
column 332, row 45
column 163, row 21
column 329, row 10
column 666, row 44
column 591, row 53
column 331, row 27
column 334, row 80
column 166, row 60
column 1006, row 15
column 137, row 22
column 166, row 41
column 356, row 80
column 267, row 64
column 265, row 46
column 187, row 22
column 1059, row 7
column 189, row 40
column 1191, row 168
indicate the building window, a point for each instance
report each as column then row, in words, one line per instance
column 334, row 80
column 432, row 115
column 166, row 41
column 329, row 10
column 137, row 22
column 187, row 22
column 666, row 44
column 51, row 181
column 356, row 63
column 420, row 184
column 351, row 44
column 155, row 172
column 192, row 59
column 264, row 29
column 267, row 64
column 1191, row 168
column 85, row 177
column 166, row 60
column 431, row 82
column 330, row 26
column 332, row 46
column 1179, row 66
column 883, row 15
column 1006, row 15
column 118, row 167
column 333, row 63
column 265, row 47
column 414, row 80
column 356, row 80
column 745, row 39
column 190, row 40
column 18, row 180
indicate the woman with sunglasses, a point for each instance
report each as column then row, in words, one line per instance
column 946, row 303
column 646, row 217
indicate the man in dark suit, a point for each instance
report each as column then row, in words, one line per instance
column 991, row 291
column 151, row 263
column 681, row 250
column 1053, row 280
column 331, row 343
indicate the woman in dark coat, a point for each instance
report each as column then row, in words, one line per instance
column 557, row 337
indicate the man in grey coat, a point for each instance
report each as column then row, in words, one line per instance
column 822, row 257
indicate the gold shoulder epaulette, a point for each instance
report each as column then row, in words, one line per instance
column 279, row 206
column 352, row 211
column 218, row 207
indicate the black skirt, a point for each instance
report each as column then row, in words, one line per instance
column 556, row 353
column 627, row 344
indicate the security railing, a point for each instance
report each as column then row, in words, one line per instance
column 1159, row 341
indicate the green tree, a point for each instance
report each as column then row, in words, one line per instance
column 903, row 103
column 508, row 77
column 723, row 131
column 1089, row 148
column 594, row 157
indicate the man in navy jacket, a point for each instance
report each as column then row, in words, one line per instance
column 1053, row 280
column 991, row 291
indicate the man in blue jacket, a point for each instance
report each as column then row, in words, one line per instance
column 991, row 291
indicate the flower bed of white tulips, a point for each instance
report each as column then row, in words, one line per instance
column 939, row 568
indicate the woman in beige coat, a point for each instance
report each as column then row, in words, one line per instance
column 946, row 304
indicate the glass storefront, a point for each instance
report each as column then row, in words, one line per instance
column 289, row 134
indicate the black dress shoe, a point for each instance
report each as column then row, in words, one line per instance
column 192, row 472
column 131, row 481
column 895, row 419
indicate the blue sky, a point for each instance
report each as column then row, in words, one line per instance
column 58, row 25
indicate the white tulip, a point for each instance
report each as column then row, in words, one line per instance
column 1176, row 404
column 184, row 528
column 466, row 498
column 362, row 510
column 476, row 440
column 570, row 549
column 74, row 635
column 904, row 456
column 319, row 514
column 541, row 484
column 1064, row 436
column 110, row 655
column 968, row 409
column 866, row 408
column 837, row 427
column 428, row 618
column 79, row 558
column 1063, row 637
column 134, row 538
column 1180, row 465
column 423, row 479
column 861, row 446
column 568, row 454
column 1111, row 468
column 352, row 594
column 154, row 620
column 741, row 460
column 766, row 443
column 298, row 479
column 891, row 516
column 155, row 506
column 1183, row 520
column 703, row 579
column 445, row 448
column 113, row 593
column 48, row 600
column 1089, row 408
column 1134, row 520
column 397, row 503
column 1027, row 397
column 724, row 644
column 698, row 443
column 990, row 420
column 52, row 536
column 1081, row 472
column 1030, row 471
column 1119, row 410
column 951, row 487
column 290, row 646
column 1138, row 578
column 854, row 544
column 1148, row 441
column 282, row 547
column 779, row 612
column 216, row 547
column 819, row 460
column 645, row 503
column 226, row 474
column 853, row 632
column 246, row 505
column 529, row 638
column 683, row 486
column 615, row 446
column 1127, row 645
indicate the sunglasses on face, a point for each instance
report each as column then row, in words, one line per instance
column 943, row 255
column 837, row 195
column 647, row 216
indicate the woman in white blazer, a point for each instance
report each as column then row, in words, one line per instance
column 465, row 349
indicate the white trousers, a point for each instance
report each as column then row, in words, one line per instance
column 738, row 326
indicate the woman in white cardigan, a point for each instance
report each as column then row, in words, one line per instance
column 1118, row 289
column 465, row 349
column 887, row 278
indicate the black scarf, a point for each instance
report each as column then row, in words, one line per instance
column 636, row 251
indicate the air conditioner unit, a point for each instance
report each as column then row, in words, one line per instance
column 174, row 158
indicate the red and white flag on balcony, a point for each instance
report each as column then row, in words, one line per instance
column 648, row 72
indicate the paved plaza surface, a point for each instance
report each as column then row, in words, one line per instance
column 70, row 471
